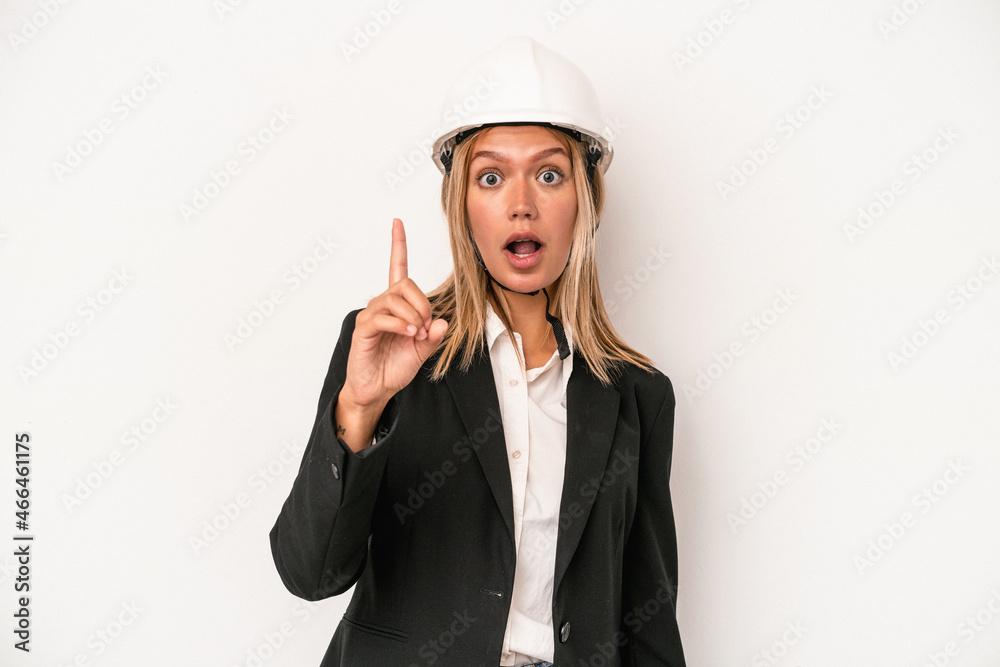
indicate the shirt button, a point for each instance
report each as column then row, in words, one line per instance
column 516, row 454
column 512, row 383
column 564, row 632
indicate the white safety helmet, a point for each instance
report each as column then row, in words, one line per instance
column 521, row 82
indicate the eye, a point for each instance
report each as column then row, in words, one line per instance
column 489, row 179
column 550, row 176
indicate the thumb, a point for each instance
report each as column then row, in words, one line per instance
column 434, row 337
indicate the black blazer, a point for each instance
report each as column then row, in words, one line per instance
column 423, row 523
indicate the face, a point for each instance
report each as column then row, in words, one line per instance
column 522, row 205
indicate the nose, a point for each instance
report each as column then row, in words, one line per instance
column 521, row 204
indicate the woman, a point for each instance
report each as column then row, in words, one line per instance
column 490, row 461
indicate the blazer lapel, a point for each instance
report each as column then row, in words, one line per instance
column 591, row 417
column 475, row 396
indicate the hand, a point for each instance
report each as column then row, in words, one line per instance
column 393, row 336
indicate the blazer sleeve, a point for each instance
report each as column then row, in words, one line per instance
column 320, row 539
column 649, row 582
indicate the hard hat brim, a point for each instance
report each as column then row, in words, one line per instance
column 446, row 142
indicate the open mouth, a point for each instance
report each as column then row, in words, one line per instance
column 523, row 248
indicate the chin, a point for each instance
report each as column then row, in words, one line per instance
column 523, row 285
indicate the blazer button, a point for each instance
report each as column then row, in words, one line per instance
column 336, row 470
column 564, row 632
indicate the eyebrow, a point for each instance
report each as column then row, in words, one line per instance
column 541, row 155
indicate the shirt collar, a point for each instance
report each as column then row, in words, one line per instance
column 495, row 327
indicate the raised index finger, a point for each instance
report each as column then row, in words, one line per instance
column 397, row 255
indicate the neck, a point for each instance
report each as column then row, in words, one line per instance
column 527, row 318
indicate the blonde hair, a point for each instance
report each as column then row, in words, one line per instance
column 461, row 298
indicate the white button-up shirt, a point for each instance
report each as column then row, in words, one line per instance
column 533, row 407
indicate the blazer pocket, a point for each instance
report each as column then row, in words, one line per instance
column 373, row 629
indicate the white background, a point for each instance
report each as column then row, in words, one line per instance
column 824, row 549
